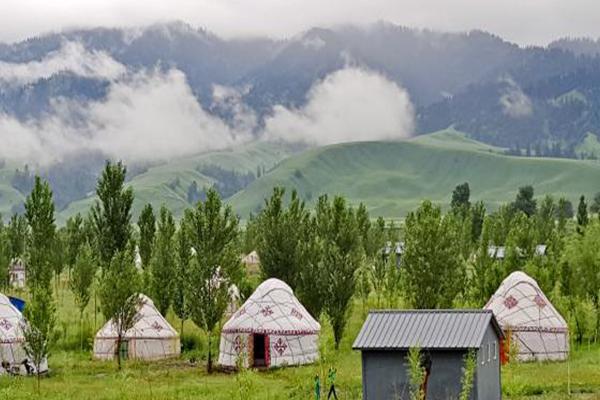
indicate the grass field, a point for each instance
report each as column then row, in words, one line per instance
column 393, row 178
column 74, row 375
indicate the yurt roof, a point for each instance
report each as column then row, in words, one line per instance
column 272, row 308
column 11, row 320
column 520, row 305
column 150, row 324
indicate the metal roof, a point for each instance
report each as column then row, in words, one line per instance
column 427, row 329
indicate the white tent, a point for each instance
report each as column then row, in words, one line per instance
column 151, row 337
column 12, row 353
column 271, row 329
column 529, row 319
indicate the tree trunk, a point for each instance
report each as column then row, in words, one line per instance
column 181, row 334
column 209, row 366
column 119, row 351
column 81, row 329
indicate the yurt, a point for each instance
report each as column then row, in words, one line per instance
column 12, row 354
column 151, row 337
column 529, row 320
column 271, row 329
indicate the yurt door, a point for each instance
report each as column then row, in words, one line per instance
column 260, row 350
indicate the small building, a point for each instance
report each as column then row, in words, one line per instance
column 445, row 337
column 271, row 329
column 252, row 262
column 397, row 250
column 17, row 274
column 499, row 252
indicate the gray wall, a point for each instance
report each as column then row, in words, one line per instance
column 488, row 383
column 385, row 375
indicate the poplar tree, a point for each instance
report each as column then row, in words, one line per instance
column 162, row 264
column 182, row 264
column 147, row 225
column 82, row 278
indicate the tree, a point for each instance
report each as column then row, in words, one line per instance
column 40, row 315
column 281, row 231
column 582, row 215
column 525, row 202
column 341, row 255
column 213, row 233
column 111, row 214
column 460, row 203
column 75, row 239
column 432, row 261
column 39, row 212
column 162, row 265
column 485, row 276
column 595, row 206
column 477, row 217
column 119, row 294
column 545, row 220
column 17, row 235
column 4, row 255
column 564, row 212
column 182, row 264
column 147, row 226
column 82, row 278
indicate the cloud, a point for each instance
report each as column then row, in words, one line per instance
column 71, row 57
column 514, row 102
column 147, row 116
column 348, row 105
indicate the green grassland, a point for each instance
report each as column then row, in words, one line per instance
column 392, row 178
column 74, row 375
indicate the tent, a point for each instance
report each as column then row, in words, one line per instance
column 12, row 353
column 529, row 319
column 151, row 337
column 271, row 329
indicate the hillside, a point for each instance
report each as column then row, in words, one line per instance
column 391, row 178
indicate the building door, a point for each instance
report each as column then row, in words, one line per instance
column 259, row 351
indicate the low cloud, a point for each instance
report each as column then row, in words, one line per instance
column 351, row 104
column 71, row 57
column 515, row 103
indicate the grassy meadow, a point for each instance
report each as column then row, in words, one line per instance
column 74, row 375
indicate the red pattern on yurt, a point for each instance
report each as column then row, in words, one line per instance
column 238, row 345
column 280, row 346
column 539, row 301
column 510, row 302
column 5, row 324
column 266, row 311
column 267, row 351
column 157, row 327
column 296, row 313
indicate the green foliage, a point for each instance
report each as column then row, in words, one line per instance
column 582, row 215
column 432, row 261
column 460, row 203
column 17, row 235
column 82, row 277
column 545, row 220
column 525, row 202
column 75, row 239
column 595, row 206
column 162, row 266
column 147, row 225
column 39, row 212
column 477, row 217
column 281, row 231
column 213, row 232
column 468, row 376
column 111, row 213
column 119, row 293
column 416, row 374
column 485, row 274
column 182, row 263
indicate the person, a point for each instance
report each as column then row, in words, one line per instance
column 317, row 387
column 331, row 379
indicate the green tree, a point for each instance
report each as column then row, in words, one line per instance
column 183, row 255
column 4, row 255
column 281, row 231
column 17, row 235
column 341, row 255
column 119, row 293
column 564, row 212
column 582, row 215
column 477, row 217
column 82, row 278
column 432, row 261
column 545, row 220
column 75, row 239
column 485, row 275
column 460, row 203
column 525, row 202
column 111, row 214
column 595, row 206
column 213, row 232
column 147, row 225
column 162, row 266
column 40, row 315
column 39, row 212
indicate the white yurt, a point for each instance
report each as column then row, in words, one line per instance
column 12, row 352
column 271, row 329
column 151, row 337
column 529, row 320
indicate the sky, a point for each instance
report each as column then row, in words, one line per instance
column 526, row 22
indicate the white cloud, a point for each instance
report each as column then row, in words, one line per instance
column 71, row 57
column 515, row 103
column 348, row 105
column 149, row 116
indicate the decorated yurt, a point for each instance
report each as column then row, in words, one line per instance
column 12, row 352
column 529, row 320
column 271, row 329
column 151, row 337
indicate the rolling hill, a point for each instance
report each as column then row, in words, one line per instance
column 392, row 178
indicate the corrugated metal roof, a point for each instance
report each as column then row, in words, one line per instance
column 427, row 329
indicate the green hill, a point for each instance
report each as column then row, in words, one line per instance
column 392, row 178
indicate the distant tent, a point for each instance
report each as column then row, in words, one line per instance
column 12, row 353
column 17, row 273
column 251, row 261
column 271, row 329
column 529, row 319
column 151, row 338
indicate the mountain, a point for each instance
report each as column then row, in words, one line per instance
column 392, row 178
